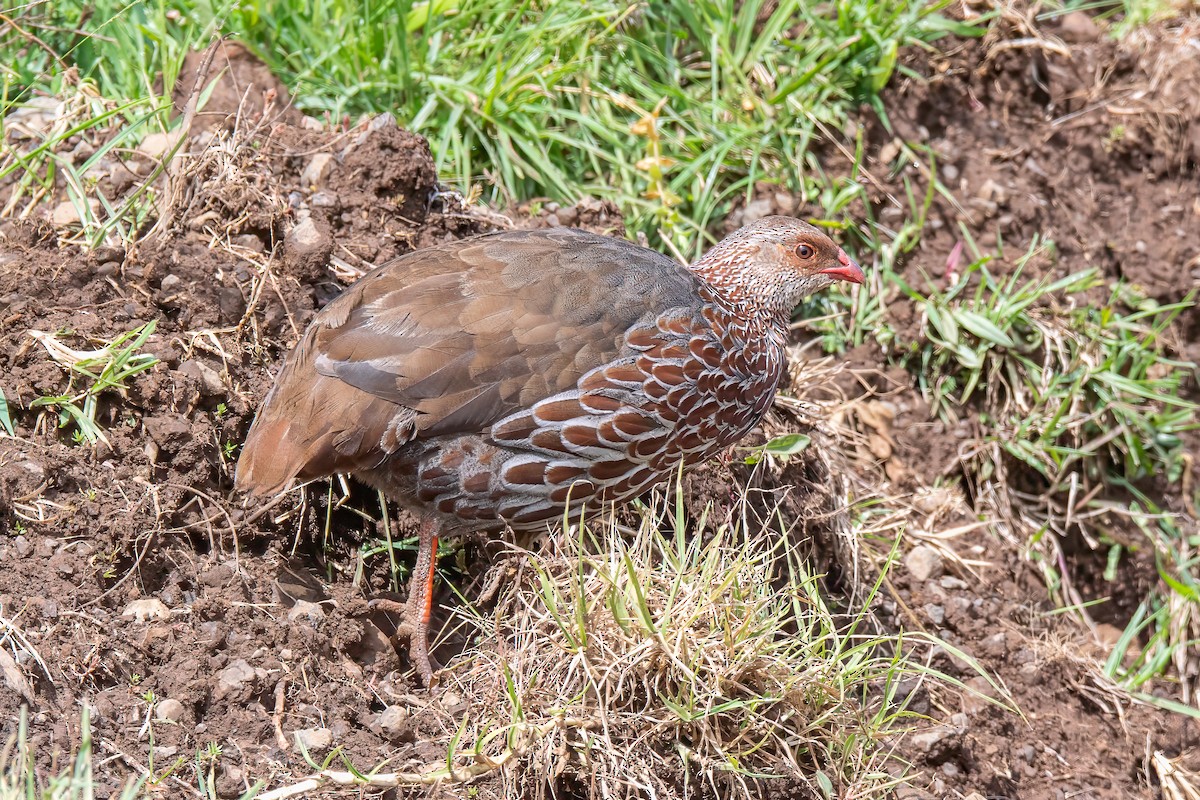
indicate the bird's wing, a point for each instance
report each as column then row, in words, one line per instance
column 450, row 340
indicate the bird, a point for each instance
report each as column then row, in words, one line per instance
column 502, row 380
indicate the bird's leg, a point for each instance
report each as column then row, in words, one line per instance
column 417, row 610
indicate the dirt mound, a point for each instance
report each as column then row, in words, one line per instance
column 1094, row 148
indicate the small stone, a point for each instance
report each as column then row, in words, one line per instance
column 1078, row 27
column 952, row 583
column 306, row 610
column 317, row 170
column 393, row 720
column 949, row 173
column 249, row 241
column 936, row 613
column 66, row 213
column 996, row 644
column 170, row 283
column 924, row 563
column 324, row 200
column 168, row 710
column 305, row 237
column 926, row 741
column 553, row 221
column 207, row 378
column 312, row 124
column 1027, row 754
column 156, row 145
column 147, row 608
column 22, row 545
column 381, row 121
column 233, row 677
column 950, row 769
column 314, row 739
column 107, row 269
column 991, row 192
column 168, row 431
column 757, row 209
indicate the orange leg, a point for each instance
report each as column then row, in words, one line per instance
column 419, row 608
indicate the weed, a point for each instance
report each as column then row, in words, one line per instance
column 1075, row 393
column 105, row 369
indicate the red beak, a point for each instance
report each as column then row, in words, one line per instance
column 846, row 270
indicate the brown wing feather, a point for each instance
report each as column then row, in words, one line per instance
column 448, row 340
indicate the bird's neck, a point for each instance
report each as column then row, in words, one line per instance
column 727, row 273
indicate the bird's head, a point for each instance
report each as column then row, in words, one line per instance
column 774, row 263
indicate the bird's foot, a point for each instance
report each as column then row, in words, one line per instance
column 412, row 632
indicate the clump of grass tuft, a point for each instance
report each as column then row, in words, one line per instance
column 662, row 658
column 1081, row 394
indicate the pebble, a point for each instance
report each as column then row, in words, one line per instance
column 936, row 613
column 314, row 739
column 169, row 710
column 757, row 209
column 22, row 545
column 147, row 608
column 156, row 145
column 393, row 720
column 250, row 242
column 1078, row 27
column 949, row 173
column 170, row 283
column 924, row 563
column 306, row 610
column 304, row 237
column 925, row 741
column 951, row 582
column 65, row 212
column 206, row 377
column 316, row 172
column 233, row 677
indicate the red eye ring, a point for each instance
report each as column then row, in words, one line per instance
column 805, row 251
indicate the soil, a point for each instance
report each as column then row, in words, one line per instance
column 130, row 569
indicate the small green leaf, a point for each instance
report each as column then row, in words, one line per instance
column 788, row 445
column 6, row 416
column 942, row 322
column 983, row 327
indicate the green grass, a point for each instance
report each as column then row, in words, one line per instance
column 1080, row 412
column 77, row 779
column 671, row 109
column 722, row 643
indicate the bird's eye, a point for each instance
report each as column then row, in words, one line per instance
column 805, row 251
